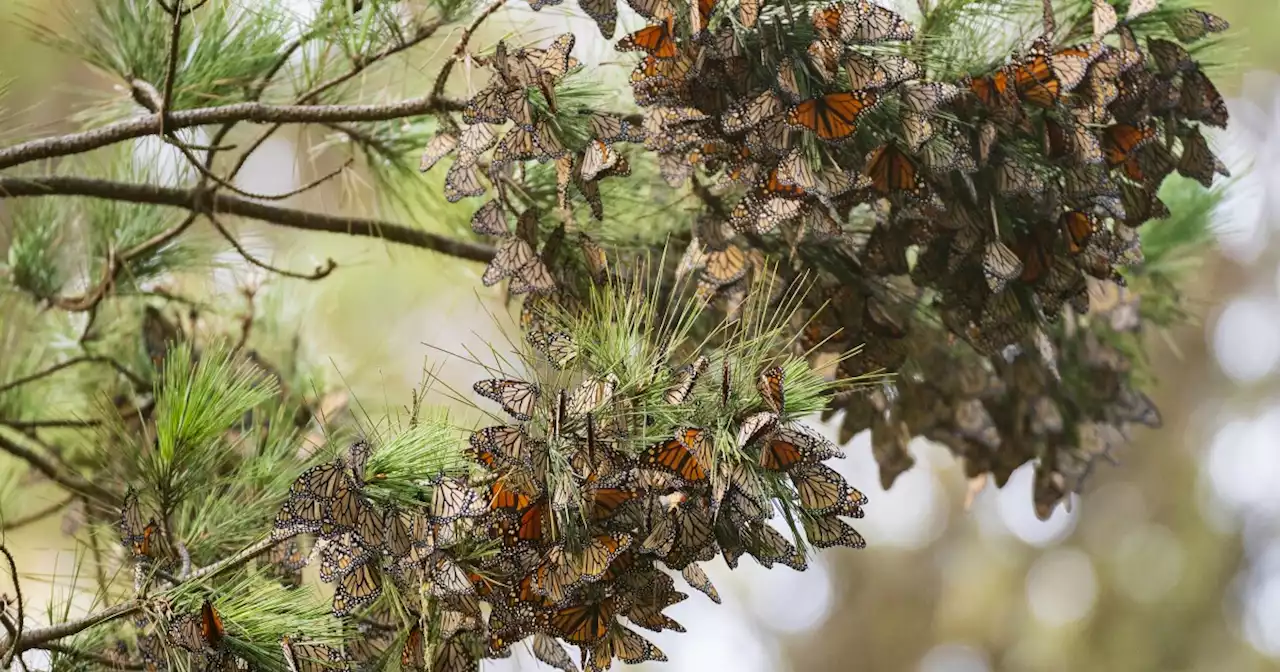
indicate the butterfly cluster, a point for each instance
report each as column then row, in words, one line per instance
column 587, row 501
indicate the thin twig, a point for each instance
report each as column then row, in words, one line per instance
column 24, row 425
column 17, row 587
column 67, row 479
column 209, row 174
column 115, row 265
column 100, row 659
column 203, row 202
column 423, row 33
column 459, row 49
column 76, row 143
column 171, row 72
column 38, row 515
column 237, row 559
column 320, row 272
column 83, row 359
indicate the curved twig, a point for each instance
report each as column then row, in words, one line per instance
column 92, row 657
column 16, row 640
column 67, row 479
column 201, row 201
column 463, row 39
column 24, row 425
column 320, row 272
column 38, row 515
column 83, row 359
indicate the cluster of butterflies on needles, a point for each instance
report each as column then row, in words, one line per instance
column 587, row 507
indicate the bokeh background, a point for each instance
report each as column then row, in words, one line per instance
column 1171, row 560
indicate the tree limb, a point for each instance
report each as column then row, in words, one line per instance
column 38, row 638
column 100, row 659
column 203, row 202
column 151, row 124
column 38, row 515
column 67, row 479
column 83, row 359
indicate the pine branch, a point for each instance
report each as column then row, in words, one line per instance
column 106, row 662
column 154, row 124
column 38, row 638
column 17, row 587
column 38, row 515
column 83, row 359
column 204, row 202
column 66, row 478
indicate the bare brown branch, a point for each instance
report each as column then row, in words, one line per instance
column 66, row 478
column 201, row 201
column 76, row 143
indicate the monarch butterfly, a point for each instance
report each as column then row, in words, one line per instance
column 199, row 634
column 521, row 144
column 1170, row 57
column 1121, row 140
column 309, row 657
column 1200, row 100
column 605, row 501
column 653, row 9
column 1071, row 64
column 675, row 457
column 1190, row 25
column 490, row 220
column 502, row 446
column 1016, row 177
column 592, row 394
column 446, row 578
column 1104, row 18
column 504, row 497
column 916, row 130
column 597, row 157
column 947, row 151
column 340, row 555
column 866, row 72
column 399, row 531
column 656, row 40
column 725, row 266
column 892, row 172
column 648, row 614
column 877, row 24
column 771, row 387
column 923, row 98
column 1036, row 253
column 748, row 13
column 787, row 448
column 526, row 526
column 358, row 588
column 830, row 21
column 795, row 171
column 557, row 346
column 455, row 655
column 526, row 67
column 832, row 117
column 1036, row 83
column 1072, row 138
column 604, row 13
column 756, row 426
column 135, row 535
column 608, row 128
column 517, row 397
column 1139, row 7
column 697, row 579
column 462, row 181
column 1150, row 164
column 288, row 557
column 773, row 136
column 475, row 140
column 768, row 546
column 824, row 56
column 1000, row 265
column 496, row 103
column 1198, row 161
column 1078, row 228
column 549, row 651
column 751, row 112
column 439, row 147
column 584, row 624
column 600, row 552
column 452, row 499
column 821, row 490
column 685, row 378
column 623, row 644
column 830, row 531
